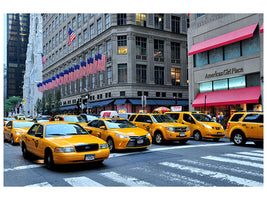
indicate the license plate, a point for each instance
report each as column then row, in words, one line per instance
column 219, row 133
column 140, row 141
column 89, row 157
column 182, row 134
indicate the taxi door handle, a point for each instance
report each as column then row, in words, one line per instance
column 243, row 124
column 261, row 125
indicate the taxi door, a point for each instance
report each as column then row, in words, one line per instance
column 144, row 121
column 7, row 130
column 260, row 127
column 39, row 141
column 30, row 138
column 250, row 126
column 188, row 120
column 94, row 126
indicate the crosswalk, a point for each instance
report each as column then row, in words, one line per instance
column 228, row 169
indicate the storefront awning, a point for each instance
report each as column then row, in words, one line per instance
column 228, row 97
column 228, row 38
column 262, row 29
column 120, row 102
column 100, row 103
column 72, row 107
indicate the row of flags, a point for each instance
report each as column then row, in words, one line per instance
column 92, row 66
column 71, row 37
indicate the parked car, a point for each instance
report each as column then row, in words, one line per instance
column 60, row 142
column 120, row 133
column 15, row 128
column 161, row 127
column 88, row 118
column 201, row 125
column 245, row 126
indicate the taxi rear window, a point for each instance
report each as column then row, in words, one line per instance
column 236, row 117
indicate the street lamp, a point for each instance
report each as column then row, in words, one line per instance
column 87, row 98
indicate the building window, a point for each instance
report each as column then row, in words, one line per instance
column 159, row 75
column 92, row 31
column 109, row 73
column 159, row 50
column 159, row 21
column 176, row 74
column 121, row 19
column 141, row 48
column 109, row 48
column 215, row 55
column 139, row 93
column 79, row 40
column 175, row 24
column 175, row 53
column 205, row 87
column 85, row 36
column 201, row 59
column 122, row 93
column 163, row 94
column 157, row 94
column 122, row 73
column 79, row 20
column 99, row 26
column 140, row 19
column 220, row 85
column 74, row 24
column 232, row 51
column 85, row 17
column 107, row 21
column 122, row 44
column 141, row 73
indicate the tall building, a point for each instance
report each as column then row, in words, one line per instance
column 225, row 62
column 146, row 55
column 17, row 40
column 33, row 71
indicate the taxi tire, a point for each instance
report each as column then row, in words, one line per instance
column 158, row 138
column 25, row 152
column 111, row 144
column 239, row 138
column 197, row 136
column 12, row 140
column 49, row 162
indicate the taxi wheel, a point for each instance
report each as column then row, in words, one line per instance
column 111, row 144
column 197, row 136
column 239, row 138
column 158, row 138
column 49, row 162
column 25, row 152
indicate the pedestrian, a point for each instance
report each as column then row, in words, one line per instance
column 220, row 117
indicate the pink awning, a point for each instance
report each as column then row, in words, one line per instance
column 225, row 39
column 262, row 29
column 228, row 97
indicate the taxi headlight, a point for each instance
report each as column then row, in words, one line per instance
column 122, row 136
column 64, row 149
column 103, row 146
column 171, row 129
column 207, row 126
column 148, row 135
column 18, row 133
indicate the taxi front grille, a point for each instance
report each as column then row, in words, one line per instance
column 134, row 141
column 180, row 129
column 86, row 147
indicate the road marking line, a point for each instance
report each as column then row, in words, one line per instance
column 44, row 184
column 127, row 180
column 82, row 182
column 251, row 154
column 22, row 167
column 217, row 175
column 243, row 157
column 216, row 158
column 167, row 148
column 237, row 169
column 258, row 151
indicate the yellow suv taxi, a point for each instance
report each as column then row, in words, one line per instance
column 201, row 125
column 161, row 127
column 120, row 133
column 63, row 143
column 245, row 126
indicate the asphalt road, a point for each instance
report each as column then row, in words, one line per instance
column 195, row 164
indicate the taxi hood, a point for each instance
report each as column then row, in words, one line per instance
column 72, row 140
column 215, row 124
column 22, row 130
column 172, row 125
column 130, row 131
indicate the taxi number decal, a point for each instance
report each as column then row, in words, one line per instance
column 89, row 157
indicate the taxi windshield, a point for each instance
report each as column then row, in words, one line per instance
column 202, row 118
column 63, row 129
column 74, row 119
column 119, row 123
column 162, row 119
column 22, row 124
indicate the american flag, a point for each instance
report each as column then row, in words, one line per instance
column 72, row 36
column 43, row 59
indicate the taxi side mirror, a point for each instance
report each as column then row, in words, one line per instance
column 89, row 131
column 40, row 135
column 9, row 126
column 102, row 127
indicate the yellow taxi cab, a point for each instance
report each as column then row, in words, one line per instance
column 120, row 133
column 245, row 126
column 60, row 142
column 201, row 125
column 161, row 127
column 71, row 118
column 15, row 128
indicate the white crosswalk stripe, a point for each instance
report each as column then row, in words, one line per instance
column 213, row 174
column 251, row 154
column 243, row 157
column 44, row 184
column 240, row 162
column 127, row 180
column 82, row 182
column 258, row 151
